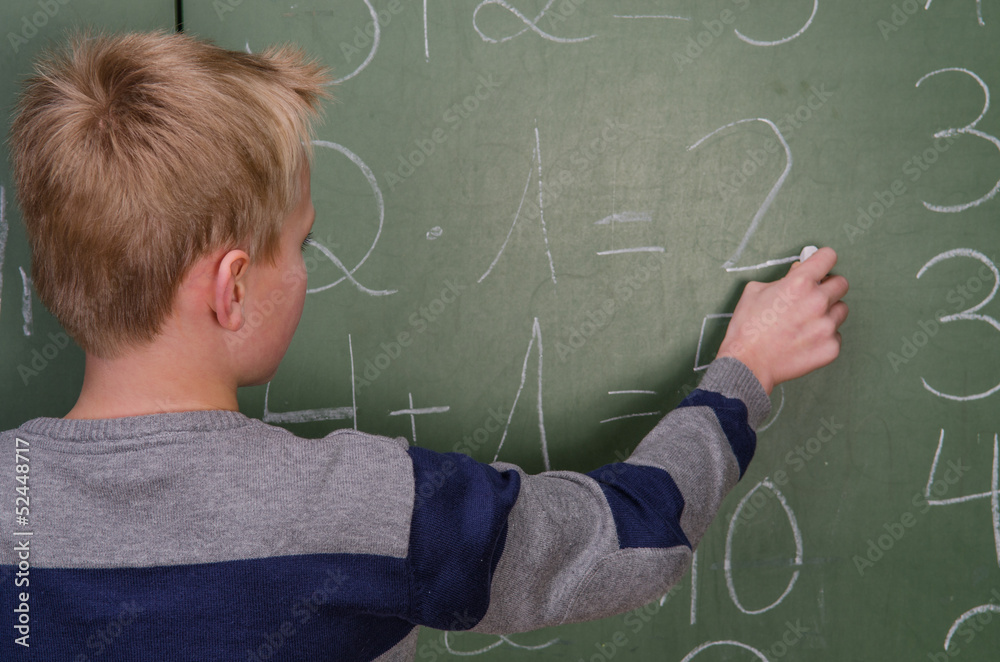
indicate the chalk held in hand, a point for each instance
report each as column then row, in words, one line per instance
column 802, row 257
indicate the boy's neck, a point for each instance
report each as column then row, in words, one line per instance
column 147, row 382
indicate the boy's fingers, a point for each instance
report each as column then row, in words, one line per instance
column 838, row 313
column 835, row 287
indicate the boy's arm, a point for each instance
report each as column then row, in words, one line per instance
column 586, row 546
column 531, row 551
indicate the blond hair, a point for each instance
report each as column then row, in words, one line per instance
column 136, row 154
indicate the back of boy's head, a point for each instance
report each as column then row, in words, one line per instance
column 137, row 154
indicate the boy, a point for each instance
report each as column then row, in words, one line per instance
column 165, row 190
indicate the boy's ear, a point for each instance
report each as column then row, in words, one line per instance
column 230, row 289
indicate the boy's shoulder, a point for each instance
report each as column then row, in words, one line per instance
column 181, row 427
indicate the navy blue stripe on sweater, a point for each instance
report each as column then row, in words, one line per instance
column 646, row 505
column 732, row 415
column 316, row 607
column 645, row 501
column 457, row 536
column 320, row 607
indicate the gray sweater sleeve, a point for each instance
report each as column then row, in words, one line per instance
column 585, row 546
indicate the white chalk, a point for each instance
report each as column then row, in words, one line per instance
column 807, row 253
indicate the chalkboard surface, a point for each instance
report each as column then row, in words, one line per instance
column 532, row 219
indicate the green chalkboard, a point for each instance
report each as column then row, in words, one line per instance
column 539, row 213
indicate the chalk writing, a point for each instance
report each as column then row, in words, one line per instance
column 967, row 314
column 805, row 27
column 529, row 24
column 541, row 206
column 501, row 639
column 637, row 249
column 728, row 264
column 694, row 588
column 781, row 405
column 427, row 46
column 413, row 413
column 536, row 334
column 979, row 10
column 309, row 415
column 639, row 415
column 968, row 129
column 626, row 217
column 3, row 235
column 697, row 353
column 328, row 254
column 728, row 560
column 667, row 16
column 689, row 656
column 536, row 157
column 376, row 37
column 25, row 302
column 380, row 205
column 993, row 495
column 975, row 611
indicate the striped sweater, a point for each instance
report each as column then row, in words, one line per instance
column 208, row 535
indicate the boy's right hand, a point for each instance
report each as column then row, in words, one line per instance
column 788, row 328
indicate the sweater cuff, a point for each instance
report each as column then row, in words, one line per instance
column 731, row 378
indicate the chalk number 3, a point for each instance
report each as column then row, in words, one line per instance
column 969, row 129
column 967, row 314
